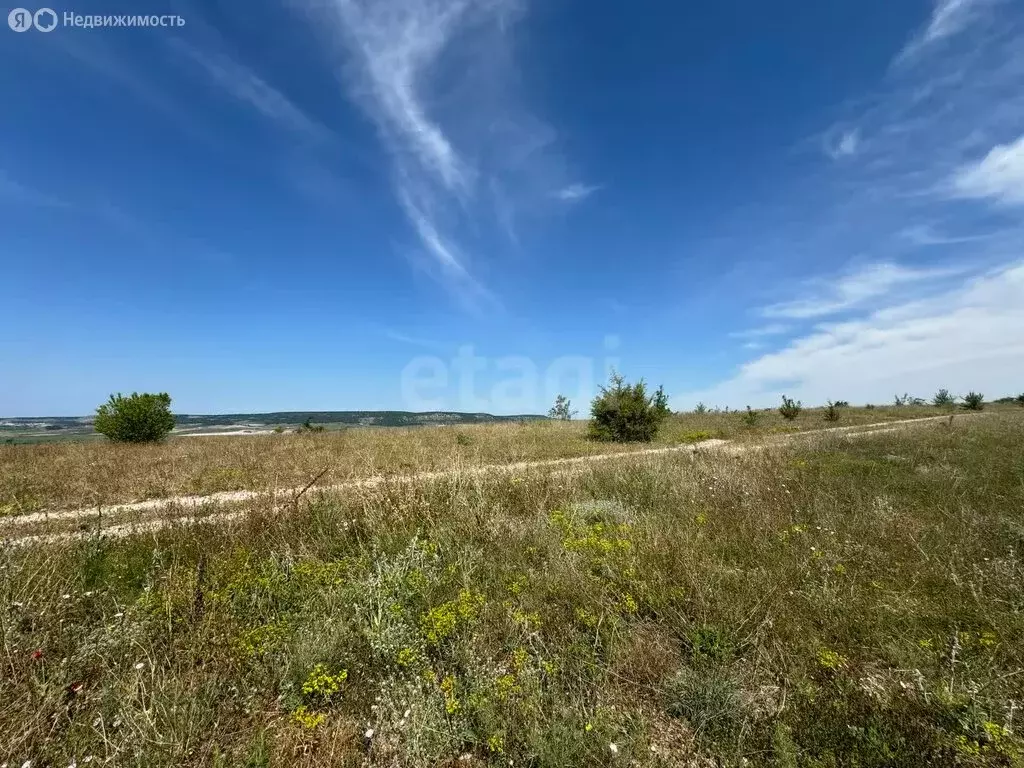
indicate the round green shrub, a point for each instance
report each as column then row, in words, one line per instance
column 136, row 418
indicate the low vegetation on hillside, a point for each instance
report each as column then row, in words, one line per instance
column 50, row 476
column 839, row 602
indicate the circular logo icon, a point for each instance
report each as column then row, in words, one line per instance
column 20, row 20
column 45, row 19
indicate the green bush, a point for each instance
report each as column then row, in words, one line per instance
column 907, row 399
column 625, row 413
column 832, row 411
column 308, row 427
column 751, row 417
column 943, row 399
column 562, row 409
column 974, row 401
column 1020, row 399
column 790, row 409
column 144, row 418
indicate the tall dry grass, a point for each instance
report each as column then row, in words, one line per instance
column 73, row 474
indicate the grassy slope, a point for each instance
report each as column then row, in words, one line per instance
column 846, row 603
column 70, row 474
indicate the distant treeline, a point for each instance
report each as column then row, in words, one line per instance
column 355, row 418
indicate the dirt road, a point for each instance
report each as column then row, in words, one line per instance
column 146, row 515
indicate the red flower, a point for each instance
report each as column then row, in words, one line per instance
column 37, row 654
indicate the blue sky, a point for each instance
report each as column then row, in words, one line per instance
column 477, row 204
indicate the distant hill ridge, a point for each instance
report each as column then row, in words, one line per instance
column 355, row 418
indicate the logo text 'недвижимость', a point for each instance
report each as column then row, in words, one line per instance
column 47, row 19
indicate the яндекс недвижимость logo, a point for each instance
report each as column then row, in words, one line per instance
column 46, row 20
column 22, row 19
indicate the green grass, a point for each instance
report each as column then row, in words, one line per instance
column 846, row 602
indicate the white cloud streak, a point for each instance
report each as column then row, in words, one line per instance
column 927, row 235
column 437, row 79
column 398, row 42
column 998, row 176
column 962, row 339
column 19, row 193
column 245, row 86
column 855, row 289
column 576, row 192
column 772, row 329
column 948, row 18
column 843, row 145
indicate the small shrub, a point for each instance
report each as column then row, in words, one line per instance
column 463, row 439
column 869, row 406
column 751, row 417
column 308, row 426
column 842, row 403
column 562, row 409
column 701, row 409
column 144, row 418
column 1020, row 399
column 832, row 411
column 660, row 403
column 943, row 399
column 974, row 401
column 624, row 412
column 908, row 399
column 790, row 409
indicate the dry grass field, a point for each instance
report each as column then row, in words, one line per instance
column 68, row 474
column 828, row 601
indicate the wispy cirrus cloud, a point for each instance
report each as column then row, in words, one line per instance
column 829, row 296
column 247, row 87
column 772, row 329
column 438, row 81
column 929, row 235
column 413, row 340
column 397, row 44
column 15, row 191
column 948, row 18
column 998, row 176
column 577, row 191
